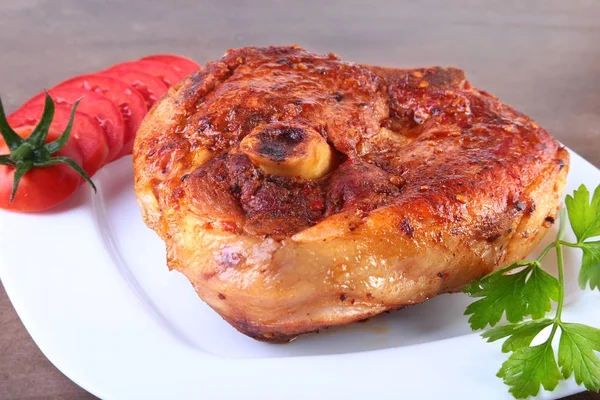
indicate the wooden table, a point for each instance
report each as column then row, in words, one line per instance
column 542, row 56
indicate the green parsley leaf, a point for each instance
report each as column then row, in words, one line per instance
column 519, row 335
column 576, row 354
column 539, row 289
column 528, row 368
column 499, row 294
column 583, row 215
column 590, row 265
column 527, row 292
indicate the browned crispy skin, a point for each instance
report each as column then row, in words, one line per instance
column 434, row 183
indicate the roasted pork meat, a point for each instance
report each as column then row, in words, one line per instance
column 297, row 191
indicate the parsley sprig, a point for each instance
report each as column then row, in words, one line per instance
column 523, row 289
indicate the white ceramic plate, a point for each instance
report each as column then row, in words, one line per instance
column 90, row 284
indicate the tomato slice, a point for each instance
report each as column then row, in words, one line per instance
column 86, row 131
column 129, row 101
column 40, row 188
column 183, row 65
column 95, row 105
column 166, row 73
column 148, row 85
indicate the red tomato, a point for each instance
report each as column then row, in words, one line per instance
column 102, row 109
column 183, row 65
column 126, row 97
column 166, row 73
column 148, row 85
column 86, row 131
column 40, row 188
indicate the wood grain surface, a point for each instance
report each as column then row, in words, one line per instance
column 542, row 56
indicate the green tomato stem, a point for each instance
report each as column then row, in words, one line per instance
column 33, row 152
column 22, row 152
